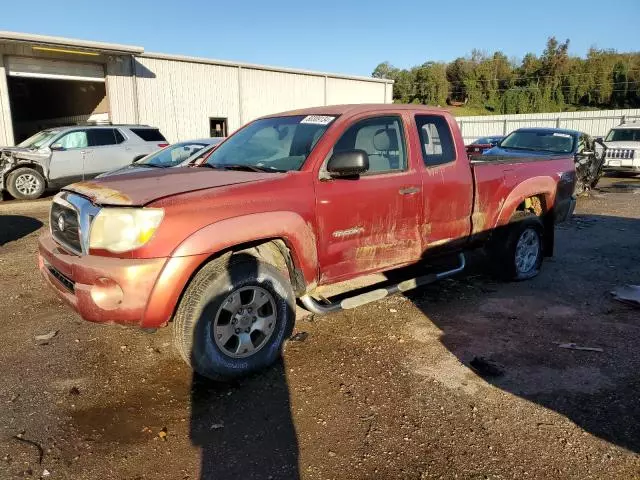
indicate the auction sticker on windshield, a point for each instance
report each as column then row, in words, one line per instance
column 563, row 135
column 318, row 119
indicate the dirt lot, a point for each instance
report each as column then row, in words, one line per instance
column 384, row 391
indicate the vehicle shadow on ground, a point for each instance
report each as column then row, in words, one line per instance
column 513, row 331
column 14, row 227
column 244, row 428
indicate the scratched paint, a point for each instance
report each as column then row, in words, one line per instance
column 100, row 194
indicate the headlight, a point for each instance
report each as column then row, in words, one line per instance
column 123, row 229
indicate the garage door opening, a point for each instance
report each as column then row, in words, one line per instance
column 46, row 93
column 39, row 103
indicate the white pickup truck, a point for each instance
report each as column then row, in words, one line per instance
column 623, row 149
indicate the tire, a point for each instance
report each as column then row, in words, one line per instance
column 25, row 184
column 220, row 288
column 523, row 236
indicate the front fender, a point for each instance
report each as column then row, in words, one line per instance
column 535, row 186
column 289, row 226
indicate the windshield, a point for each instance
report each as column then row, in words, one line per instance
column 172, row 155
column 624, row 135
column 543, row 141
column 39, row 139
column 278, row 144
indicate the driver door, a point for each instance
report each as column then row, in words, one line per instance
column 67, row 161
column 370, row 223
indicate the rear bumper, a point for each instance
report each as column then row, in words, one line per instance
column 565, row 209
column 140, row 292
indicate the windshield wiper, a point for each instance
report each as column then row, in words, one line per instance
column 150, row 165
column 241, row 167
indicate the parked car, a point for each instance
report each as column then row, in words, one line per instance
column 57, row 157
column 482, row 144
column 531, row 142
column 623, row 149
column 288, row 204
column 175, row 155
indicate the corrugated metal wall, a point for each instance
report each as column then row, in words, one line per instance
column 6, row 128
column 179, row 97
column 595, row 123
column 265, row 92
column 123, row 106
column 342, row 90
column 180, row 94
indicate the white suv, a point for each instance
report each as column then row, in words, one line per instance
column 57, row 157
column 623, row 148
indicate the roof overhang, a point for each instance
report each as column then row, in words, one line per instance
column 70, row 43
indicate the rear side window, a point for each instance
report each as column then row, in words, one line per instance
column 149, row 134
column 381, row 138
column 99, row 137
column 436, row 140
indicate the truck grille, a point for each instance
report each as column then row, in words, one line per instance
column 65, row 227
column 622, row 153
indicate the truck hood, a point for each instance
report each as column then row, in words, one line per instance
column 142, row 187
column 632, row 145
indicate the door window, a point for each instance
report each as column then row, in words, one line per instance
column 99, row 137
column 436, row 140
column 382, row 138
column 75, row 139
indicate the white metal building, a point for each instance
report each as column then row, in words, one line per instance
column 52, row 81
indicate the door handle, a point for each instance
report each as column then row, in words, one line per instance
column 408, row 190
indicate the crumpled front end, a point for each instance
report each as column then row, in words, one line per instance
column 6, row 163
column 13, row 157
column 589, row 168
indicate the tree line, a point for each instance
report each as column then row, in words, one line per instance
column 554, row 81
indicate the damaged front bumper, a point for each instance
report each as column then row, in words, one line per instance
column 11, row 157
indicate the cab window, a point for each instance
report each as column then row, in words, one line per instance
column 436, row 140
column 383, row 140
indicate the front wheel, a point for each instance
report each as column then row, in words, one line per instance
column 234, row 317
column 25, row 184
column 517, row 252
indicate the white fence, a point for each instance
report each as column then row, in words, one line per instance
column 595, row 123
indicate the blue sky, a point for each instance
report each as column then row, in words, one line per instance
column 348, row 36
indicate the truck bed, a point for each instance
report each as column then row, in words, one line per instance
column 499, row 182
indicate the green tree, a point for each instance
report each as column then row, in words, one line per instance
column 553, row 81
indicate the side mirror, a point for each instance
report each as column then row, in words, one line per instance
column 348, row 163
column 586, row 153
column 56, row 147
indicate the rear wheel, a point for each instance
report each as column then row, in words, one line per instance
column 517, row 252
column 234, row 317
column 25, row 184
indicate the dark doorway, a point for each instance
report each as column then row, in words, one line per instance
column 39, row 103
column 218, row 127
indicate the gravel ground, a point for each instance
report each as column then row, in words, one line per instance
column 383, row 391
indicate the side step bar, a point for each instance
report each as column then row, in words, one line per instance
column 313, row 306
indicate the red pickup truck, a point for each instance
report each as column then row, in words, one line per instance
column 287, row 204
